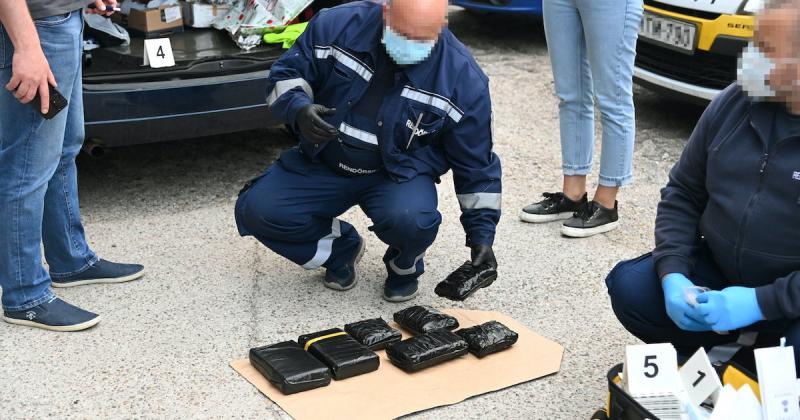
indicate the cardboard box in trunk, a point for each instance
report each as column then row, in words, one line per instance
column 202, row 15
column 155, row 23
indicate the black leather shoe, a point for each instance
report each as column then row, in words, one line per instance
column 555, row 206
column 594, row 220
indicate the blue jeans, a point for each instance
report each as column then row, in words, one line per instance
column 39, row 185
column 638, row 301
column 592, row 45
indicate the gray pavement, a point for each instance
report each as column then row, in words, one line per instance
column 163, row 347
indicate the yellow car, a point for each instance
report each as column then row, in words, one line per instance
column 691, row 47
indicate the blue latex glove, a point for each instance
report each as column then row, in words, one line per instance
column 680, row 312
column 730, row 309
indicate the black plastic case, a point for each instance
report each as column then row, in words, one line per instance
column 488, row 338
column 426, row 350
column 345, row 356
column 376, row 334
column 421, row 319
column 291, row 369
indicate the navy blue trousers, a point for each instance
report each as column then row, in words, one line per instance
column 293, row 209
column 638, row 301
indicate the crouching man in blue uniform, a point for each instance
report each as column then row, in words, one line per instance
column 729, row 217
column 384, row 100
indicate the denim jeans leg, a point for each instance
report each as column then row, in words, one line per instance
column 612, row 27
column 30, row 149
column 573, row 83
column 65, row 246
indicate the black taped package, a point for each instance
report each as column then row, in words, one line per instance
column 488, row 338
column 421, row 319
column 426, row 350
column 376, row 334
column 467, row 279
column 289, row 368
column 345, row 356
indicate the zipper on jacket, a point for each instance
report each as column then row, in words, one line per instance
column 746, row 216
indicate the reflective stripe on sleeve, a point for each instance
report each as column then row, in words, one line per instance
column 283, row 86
column 433, row 100
column 325, row 247
column 343, row 57
column 358, row 134
column 475, row 201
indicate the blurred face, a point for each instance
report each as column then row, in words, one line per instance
column 417, row 20
column 777, row 37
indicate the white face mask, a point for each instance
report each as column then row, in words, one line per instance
column 753, row 72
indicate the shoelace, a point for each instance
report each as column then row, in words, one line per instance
column 464, row 270
column 553, row 196
column 585, row 212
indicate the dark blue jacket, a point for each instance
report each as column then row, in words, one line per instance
column 741, row 193
column 332, row 63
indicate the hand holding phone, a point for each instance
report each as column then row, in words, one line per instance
column 57, row 103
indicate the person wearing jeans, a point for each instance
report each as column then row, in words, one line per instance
column 40, row 45
column 592, row 45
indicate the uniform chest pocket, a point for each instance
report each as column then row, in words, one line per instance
column 422, row 125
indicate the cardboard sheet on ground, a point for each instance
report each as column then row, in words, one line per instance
column 390, row 392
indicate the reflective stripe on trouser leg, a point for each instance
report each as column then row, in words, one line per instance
column 405, row 271
column 324, row 247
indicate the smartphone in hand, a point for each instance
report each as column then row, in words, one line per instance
column 57, row 103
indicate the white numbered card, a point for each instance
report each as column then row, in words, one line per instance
column 158, row 53
column 778, row 383
column 651, row 369
column 699, row 377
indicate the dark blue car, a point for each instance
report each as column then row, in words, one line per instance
column 528, row 7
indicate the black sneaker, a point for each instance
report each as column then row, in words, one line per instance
column 555, row 206
column 53, row 315
column 101, row 272
column 594, row 220
column 346, row 277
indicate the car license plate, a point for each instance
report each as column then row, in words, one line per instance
column 670, row 32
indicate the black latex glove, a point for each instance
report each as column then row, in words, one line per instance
column 314, row 128
column 483, row 254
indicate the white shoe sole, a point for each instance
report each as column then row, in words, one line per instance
column 337, row 286
column 544, row 218
column 63, row 328
column 125, row 279
column 399, row 299
column 587, row 232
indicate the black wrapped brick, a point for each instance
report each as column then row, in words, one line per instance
column 289, row 368
column 426, row 350
column 421, row 319
column 376, row 334
column 465, row 281
column 345, row 356
column 488, row 338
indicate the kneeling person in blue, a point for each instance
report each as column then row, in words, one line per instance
column 729, row 217
column 384, row 100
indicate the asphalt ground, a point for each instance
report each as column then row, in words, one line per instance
column 163, row 347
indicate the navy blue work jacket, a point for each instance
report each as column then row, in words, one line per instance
column 737, row 187
column 446, row 98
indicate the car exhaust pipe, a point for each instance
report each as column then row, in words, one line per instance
column 94, row 149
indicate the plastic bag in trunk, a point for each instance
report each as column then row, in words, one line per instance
column 289, row 368
column 345, row 356
column 376, row 334
column 463, row 282
column 488, row 338
column 421, row 319
column 426, row 350
column 247, row 21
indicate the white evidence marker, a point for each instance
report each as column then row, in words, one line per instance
column 651, row 369
column 699, row 377
column 158, row 53
column 778, row 383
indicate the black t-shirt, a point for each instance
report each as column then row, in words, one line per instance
column 382, row 81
